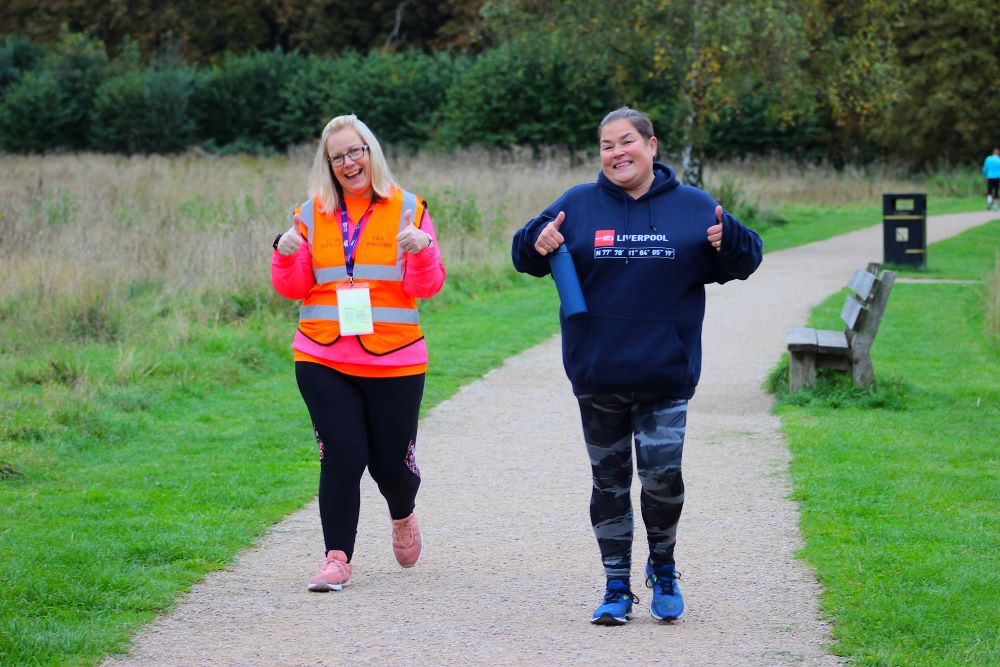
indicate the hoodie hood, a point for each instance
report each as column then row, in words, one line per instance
column 664, row 180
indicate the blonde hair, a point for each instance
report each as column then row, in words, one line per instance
column 323, row 184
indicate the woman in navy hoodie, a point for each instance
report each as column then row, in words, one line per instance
column 644, row 247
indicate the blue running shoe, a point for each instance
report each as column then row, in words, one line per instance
column 617, row 604
column 667, row 603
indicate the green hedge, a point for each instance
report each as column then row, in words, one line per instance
column 17, row 54
column 145, row 111
column 397, row 94
column 527, row 92
column 47, row 104
column 235, row 102
column 530, row 92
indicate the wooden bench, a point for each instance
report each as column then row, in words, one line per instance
column 850, row 349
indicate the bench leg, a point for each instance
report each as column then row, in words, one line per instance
column 862, row 372
column 801, row 370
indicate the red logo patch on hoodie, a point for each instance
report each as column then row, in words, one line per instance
column 604, row 237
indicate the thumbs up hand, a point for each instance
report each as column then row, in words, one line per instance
column 291, row 240
column 411, row 239
column 715, row 231
column 550, row 238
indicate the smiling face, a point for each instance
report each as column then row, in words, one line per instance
column 627, row 157
column 354, row 176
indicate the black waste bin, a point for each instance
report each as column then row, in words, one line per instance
column 904, row 229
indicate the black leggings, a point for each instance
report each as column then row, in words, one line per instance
column 361, row 422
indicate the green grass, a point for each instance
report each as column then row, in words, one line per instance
column 969, row 256
column 152, row 436
column 806, row 224
column 135, row 487
column 899, row 485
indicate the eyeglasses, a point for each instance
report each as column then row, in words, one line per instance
column 355, row 155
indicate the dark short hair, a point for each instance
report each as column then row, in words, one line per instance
column 642, row 123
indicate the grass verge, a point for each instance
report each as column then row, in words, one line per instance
column 808, row 223
column 149, row 484
column 899, row 485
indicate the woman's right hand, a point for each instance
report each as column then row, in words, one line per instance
column 291, row 240
column 550, row 238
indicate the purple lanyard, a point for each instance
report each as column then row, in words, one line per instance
column 351, row 244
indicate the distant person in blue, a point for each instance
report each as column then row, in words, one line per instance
column 991, row 172
column 644, row 247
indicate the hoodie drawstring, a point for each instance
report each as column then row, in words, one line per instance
column 628, row 233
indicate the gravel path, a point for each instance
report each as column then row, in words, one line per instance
column 510, row 571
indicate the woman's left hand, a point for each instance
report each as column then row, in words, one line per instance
column 715, row 231
column 411, row 239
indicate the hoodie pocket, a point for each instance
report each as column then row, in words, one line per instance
column 630, row 352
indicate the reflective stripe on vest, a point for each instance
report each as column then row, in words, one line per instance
column 306, row 213
column 390, row 315
column 361, row 271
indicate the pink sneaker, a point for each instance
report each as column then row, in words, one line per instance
column 406, row 540
column 336, row 573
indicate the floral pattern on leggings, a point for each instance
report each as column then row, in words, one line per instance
column 319, row 441
column 411, row 459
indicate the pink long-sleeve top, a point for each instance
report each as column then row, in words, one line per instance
column 423, row 276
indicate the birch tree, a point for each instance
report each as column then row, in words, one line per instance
column 684, row 61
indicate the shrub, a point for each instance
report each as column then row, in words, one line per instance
column 751, row 128
column 402, row 93
column 234, row 102
column 396, row 94
column 527, row 92
column 30, row 109
column 50, row 106
column 18, row 55
column 315, row 92
column 144, row 111
column 80, row 66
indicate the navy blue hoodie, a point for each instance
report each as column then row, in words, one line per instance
column 643, row 265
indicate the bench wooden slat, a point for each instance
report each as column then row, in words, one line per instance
column 802, row 340
column 831, row 342
column 848, row 350
column 851, row 312
column 862, row 282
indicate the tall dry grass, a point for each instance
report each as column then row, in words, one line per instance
column 772, row 181
column 72, row 224
column 86, row 240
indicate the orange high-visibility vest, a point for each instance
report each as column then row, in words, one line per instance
column 378, row 262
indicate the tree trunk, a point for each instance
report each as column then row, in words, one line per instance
column 692, row 165
column 692, row 154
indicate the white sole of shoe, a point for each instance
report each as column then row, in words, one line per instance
column 323, row 587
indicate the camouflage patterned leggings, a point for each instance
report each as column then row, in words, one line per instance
column 609, row 423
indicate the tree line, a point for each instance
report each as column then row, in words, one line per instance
column 848, row 81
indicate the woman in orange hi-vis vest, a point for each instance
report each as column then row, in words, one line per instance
column 360, row 253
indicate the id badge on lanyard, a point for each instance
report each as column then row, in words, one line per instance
column 354, row 300
column 354, row 308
